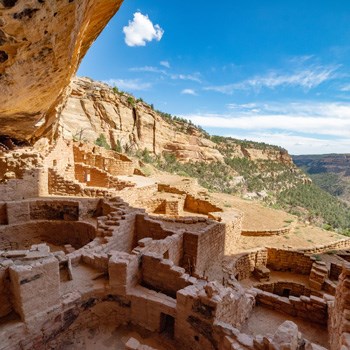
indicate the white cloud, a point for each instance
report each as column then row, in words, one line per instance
column 140, row 30
column 297, row 144
column 345, row 88
column 335, row 122
column 128, row 84
column 303, row 127
column 189, row 92
column 305, row 78
column 192, row 77
column 150, row 69
column 165, row 64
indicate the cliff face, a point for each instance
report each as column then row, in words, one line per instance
column 41, row 45
column 94, row 108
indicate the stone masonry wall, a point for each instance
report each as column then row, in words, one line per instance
column 98, row 157
column 162, row 275
column 35, row 287
column 342, row 244
column 199, row 308
column 339, row 323
column 31, row 185
column 171, row 248
column 21, row 236
column 199, row 206
column 313, row 309
column 204, row 250
column 60, row 156
column 295, row 289
column 288, row 260
column 148, row 227
column 58, row 185
column 242, row 265
column 5, row 292
column 3, row 214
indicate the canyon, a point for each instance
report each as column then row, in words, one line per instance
column 329, row 171
column 94, row 254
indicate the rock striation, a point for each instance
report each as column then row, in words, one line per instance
column 93, row 108
column 41, row 45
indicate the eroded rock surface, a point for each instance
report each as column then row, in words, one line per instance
column 94, row 108
column 41, row 45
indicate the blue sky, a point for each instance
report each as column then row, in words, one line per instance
column 271, row 71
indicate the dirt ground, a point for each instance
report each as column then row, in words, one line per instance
column 263, row 321
column 111, row 338
column 256, row 216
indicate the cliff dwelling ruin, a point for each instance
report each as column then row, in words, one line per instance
column 95, row 255
column 91, row 251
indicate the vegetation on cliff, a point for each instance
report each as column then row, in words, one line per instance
column 328, row 171
column 316, row 206
column 252, row 169
column 235, row 175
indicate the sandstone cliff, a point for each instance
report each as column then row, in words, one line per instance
column 94, row 108
column 41, row 45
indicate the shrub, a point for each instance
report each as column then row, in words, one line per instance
column 146, row 157
column 118, row 147
column 102, row 142
column 131, row 101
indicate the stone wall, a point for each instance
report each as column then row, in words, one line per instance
column 35, row 287
column 204, row 250
column 335, row 271
column 91, row 176
column 313, row 309
column 98, row 261
column 5, row 291
column 342, row 244
column 3, row 213
column 123, row 272
column 288, row 260
column 339, row 323
column 152, row 228
column 49, row 209
column 242, row 265
column 31, row 185
column 276, row 232
column 60, row 157
column 58, row 185
column 162, row 275
column 170, row 248
column 118, row 229
column 97, row 157
column 58, row 233
column 148, row 307
column 279, row 288
column 233, row 228
column 138, row 194
column 200, row 206
column 199, row 308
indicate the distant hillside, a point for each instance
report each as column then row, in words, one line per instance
column 109, row 117
column 96, row 112
column 331, row 172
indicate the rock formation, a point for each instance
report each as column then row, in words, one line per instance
column 94, row 108
column 41, row 45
